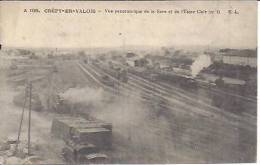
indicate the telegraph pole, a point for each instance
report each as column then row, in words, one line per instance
column 30, row 109
column 21, row 121
column 50, row 89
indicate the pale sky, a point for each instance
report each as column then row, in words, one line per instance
column 19, row 29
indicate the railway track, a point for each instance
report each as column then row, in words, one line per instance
column 177, row 101
column 95, row 76
column 180, row 106
column 169, row 91
column 171, row 95
column 248, row 98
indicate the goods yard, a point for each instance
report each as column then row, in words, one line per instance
column 122, row 109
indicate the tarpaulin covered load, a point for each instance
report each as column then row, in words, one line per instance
column 82, row 130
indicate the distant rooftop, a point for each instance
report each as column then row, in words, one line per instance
column 239, row 52
column 81, row 123
column 92, row 130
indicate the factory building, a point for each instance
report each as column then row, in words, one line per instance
column 237, row 57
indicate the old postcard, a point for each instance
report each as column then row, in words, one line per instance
column 128, row 82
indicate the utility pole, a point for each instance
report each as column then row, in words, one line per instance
column 30, row 109
column 50, row 90
column 21, row 121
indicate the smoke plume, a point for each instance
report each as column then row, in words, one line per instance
column 201, row 62
column 136, row 126
column 83, row 95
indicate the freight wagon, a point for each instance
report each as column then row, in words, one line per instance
column 83, row 131
column 85, row 139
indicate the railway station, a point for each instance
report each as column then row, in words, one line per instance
column 170, row 82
